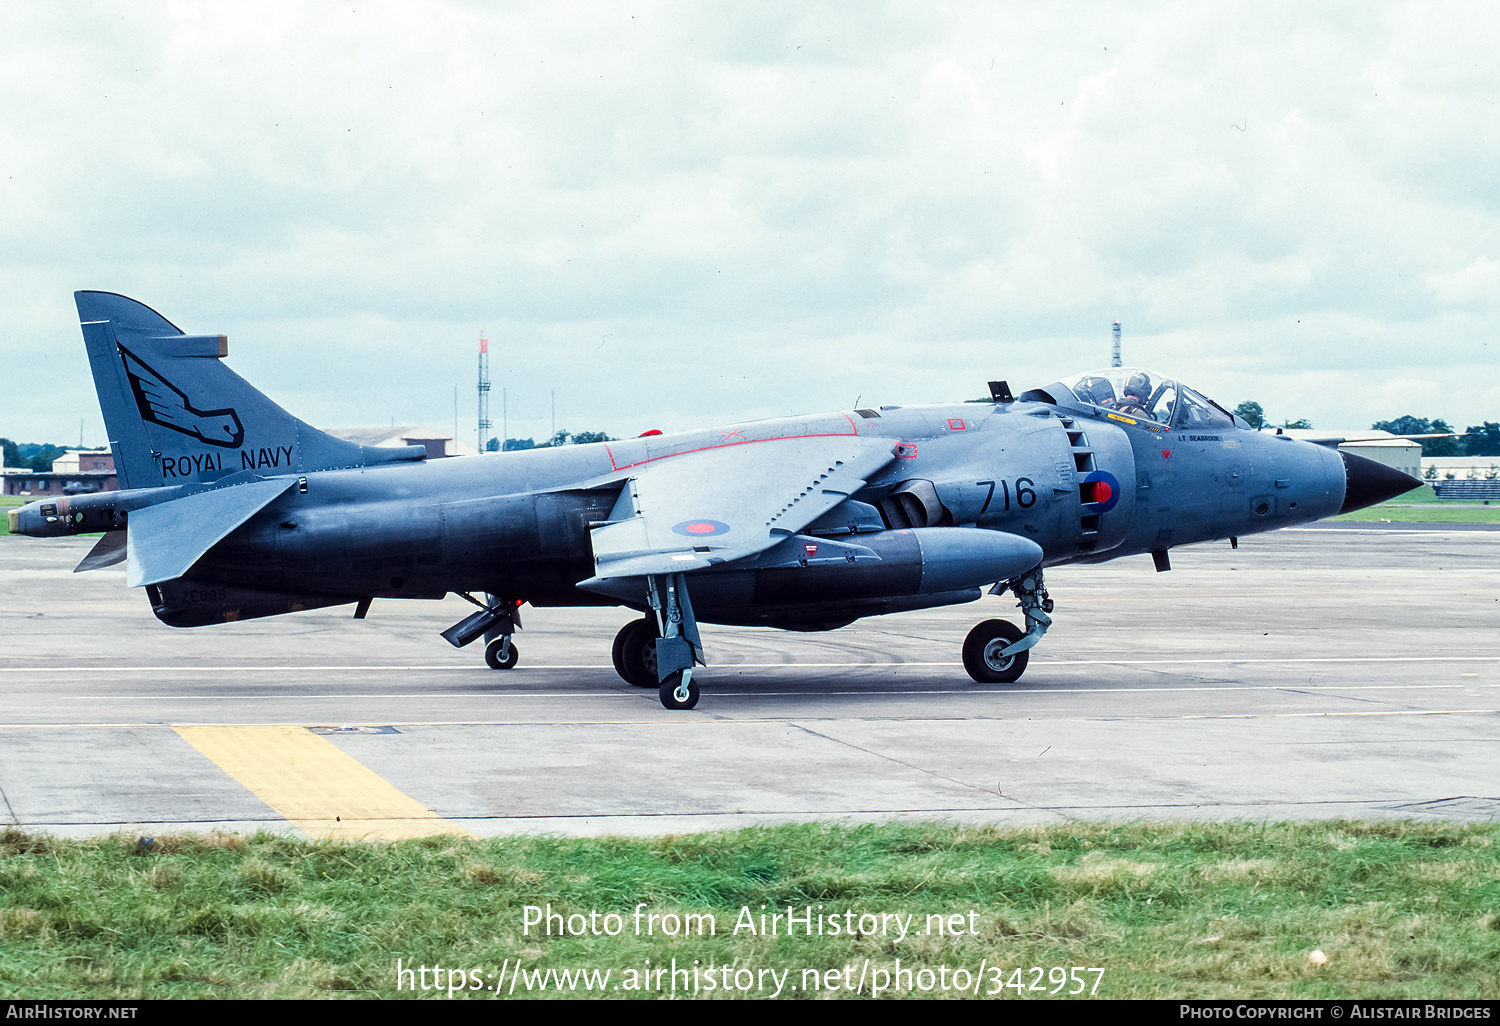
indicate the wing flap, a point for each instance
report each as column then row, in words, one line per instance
column 713, row 506
column 164, row 541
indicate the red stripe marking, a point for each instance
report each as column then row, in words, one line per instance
column 853, row 432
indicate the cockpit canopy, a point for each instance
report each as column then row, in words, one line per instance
column 1145, row 395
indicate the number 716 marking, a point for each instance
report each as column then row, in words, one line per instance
column 1025, row 494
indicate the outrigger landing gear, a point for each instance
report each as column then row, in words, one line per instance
column 501, row 653
column 496, row 621
column 679, row 647
column 679, row 691
column 996, row 651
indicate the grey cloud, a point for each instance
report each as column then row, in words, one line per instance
column 787, row 205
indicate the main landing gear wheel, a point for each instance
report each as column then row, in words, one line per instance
column 634, row 653
column 495, row 660
column 982, row 650
column 669, row 696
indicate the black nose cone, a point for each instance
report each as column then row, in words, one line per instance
column 1368, row 482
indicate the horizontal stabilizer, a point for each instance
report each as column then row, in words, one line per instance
column 165, row 540
column 107, row 551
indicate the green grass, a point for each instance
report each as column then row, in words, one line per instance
column 20, row 500
column 1188, row 910
column 9, row 500
column 1422, row 506
column 1405, row 511
column 1423, row 493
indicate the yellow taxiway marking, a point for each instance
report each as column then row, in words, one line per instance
column 320, row 789
column 1331, row 715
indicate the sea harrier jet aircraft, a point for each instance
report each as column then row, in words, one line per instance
column 231, row 508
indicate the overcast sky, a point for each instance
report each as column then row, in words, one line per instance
column 683, row 214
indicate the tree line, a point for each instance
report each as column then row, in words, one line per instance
column 39, row 456
column 1475, row 440
column 36, row 457
column 561, row 438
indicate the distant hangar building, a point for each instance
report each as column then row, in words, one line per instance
column 438, row 444
column 76, row 472
column 1401, row 454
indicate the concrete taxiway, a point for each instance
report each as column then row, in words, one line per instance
column 1331, row 671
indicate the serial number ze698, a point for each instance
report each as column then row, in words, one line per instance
column 203, row 595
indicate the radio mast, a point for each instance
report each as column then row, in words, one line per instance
column 1114, row 360
column 484, row 392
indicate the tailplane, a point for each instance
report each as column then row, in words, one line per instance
column 175, row 414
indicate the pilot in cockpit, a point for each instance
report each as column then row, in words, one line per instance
column 1136, row 395
column 1148, row 397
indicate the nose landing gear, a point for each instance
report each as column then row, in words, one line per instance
column 996, row 651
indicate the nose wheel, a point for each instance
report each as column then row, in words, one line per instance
column 984, row 648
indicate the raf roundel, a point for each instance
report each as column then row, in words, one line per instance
column 1100, row 488
column 701, row 528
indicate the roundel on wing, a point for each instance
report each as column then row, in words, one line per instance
column 701, row 528
column 1100, row 489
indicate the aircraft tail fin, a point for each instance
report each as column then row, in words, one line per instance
column 175, row 414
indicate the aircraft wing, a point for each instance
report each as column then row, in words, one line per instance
column 1337, row 440
column 165, row 540
column 703, row 508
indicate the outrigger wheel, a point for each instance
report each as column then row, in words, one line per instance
column 982, row 650
column 501, row 653
column 672, row 693
column 634, row 653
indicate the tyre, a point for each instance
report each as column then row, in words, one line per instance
column 982, row 656
column 617, row 650
column 492, row 655
column 635, row 653
column 668, row 693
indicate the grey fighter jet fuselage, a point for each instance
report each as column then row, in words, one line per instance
column 232, row 509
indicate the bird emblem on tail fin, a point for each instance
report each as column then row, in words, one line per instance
column 162, row 402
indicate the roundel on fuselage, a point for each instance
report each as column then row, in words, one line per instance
column 701, row 528
column 1099, row 489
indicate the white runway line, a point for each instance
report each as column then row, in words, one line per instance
column 469, row 696
column 679, row 720
column 1252, row 661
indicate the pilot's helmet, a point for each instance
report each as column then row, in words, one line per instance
column 1139, row 386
